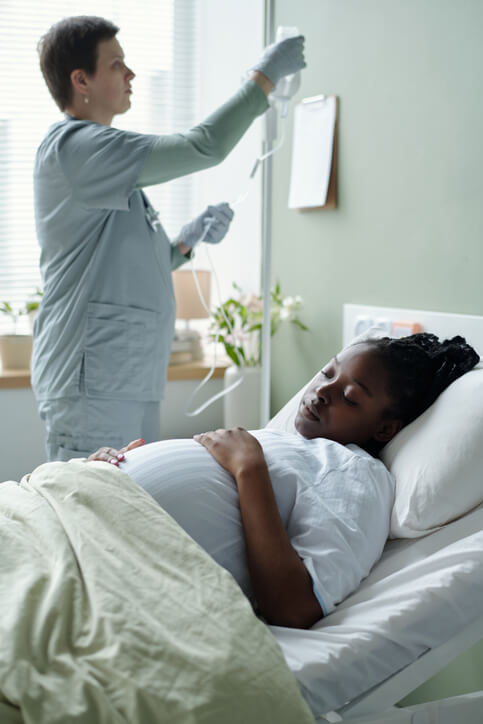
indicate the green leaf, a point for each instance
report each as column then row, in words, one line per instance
column 218, row 338
column 300, row 324
column 231, row 354
column 6, row 308
column 231, row 351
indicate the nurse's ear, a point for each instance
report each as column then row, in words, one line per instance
column 78, row 78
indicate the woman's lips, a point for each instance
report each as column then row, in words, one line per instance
column 309, row 412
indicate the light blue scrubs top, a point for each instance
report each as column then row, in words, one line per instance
column 108, row 308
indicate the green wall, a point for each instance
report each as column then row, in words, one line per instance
column 407, row 231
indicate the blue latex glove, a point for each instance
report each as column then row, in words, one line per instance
column 281, row 59
column 210, row 226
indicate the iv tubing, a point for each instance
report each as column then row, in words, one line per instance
column 266, row 272
column 241, row 363
column 208, row 376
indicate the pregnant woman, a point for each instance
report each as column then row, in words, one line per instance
column 299, row 519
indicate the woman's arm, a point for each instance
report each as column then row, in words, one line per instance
column 205, row 145
column 209, row 143
column 282, row 584
column 265, row 84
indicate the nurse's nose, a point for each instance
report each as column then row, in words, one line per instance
column 130, row 73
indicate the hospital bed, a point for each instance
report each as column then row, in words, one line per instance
column 419, row 608
column 422, row 604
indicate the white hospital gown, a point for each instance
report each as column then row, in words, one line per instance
column 335, row 503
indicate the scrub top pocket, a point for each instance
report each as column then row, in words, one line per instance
column 119, row 342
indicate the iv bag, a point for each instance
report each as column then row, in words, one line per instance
column 289, row 84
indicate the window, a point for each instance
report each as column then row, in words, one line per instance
column 163, row 53
column 188, row 60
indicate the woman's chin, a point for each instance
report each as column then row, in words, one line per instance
column 304, row 428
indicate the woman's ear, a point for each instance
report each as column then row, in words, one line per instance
column 387, row 430
column 78, row 78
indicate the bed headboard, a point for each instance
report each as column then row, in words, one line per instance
column 358, row 316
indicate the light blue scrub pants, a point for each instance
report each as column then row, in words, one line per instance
column 78, row 426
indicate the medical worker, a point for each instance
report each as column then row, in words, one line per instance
column 103, row 332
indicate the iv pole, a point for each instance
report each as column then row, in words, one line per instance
column 266, row 247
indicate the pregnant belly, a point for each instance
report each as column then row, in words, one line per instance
column 199, row 494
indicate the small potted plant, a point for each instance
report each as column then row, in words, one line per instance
column 32, row 306
column 236, row 324
column 16, row 346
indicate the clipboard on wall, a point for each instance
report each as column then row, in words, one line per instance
column 313, row 178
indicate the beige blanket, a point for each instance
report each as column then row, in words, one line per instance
column 109, row 612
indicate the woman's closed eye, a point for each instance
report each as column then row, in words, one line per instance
column 348, row 401
column 329, row 370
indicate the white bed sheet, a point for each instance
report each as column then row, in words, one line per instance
column 421, row 593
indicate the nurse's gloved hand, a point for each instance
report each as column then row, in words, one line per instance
column 283, row 58
column 211, row 226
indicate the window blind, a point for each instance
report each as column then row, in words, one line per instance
column 160, row 46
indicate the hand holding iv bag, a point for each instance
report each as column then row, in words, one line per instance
column 283, row 58
column 288, row 85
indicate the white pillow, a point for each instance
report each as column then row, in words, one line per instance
column 437, row 460
column 285, row 417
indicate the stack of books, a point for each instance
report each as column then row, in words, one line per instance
column 181, row 351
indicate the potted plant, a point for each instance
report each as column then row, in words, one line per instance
column 236, row 324
column 16, row 346
column 32, row 306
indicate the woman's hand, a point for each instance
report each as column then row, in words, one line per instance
column 281, row 582
column 278, row 60
column 235, row 449
column 113, row 456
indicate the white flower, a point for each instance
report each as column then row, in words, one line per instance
column 293, row 303
column 250, row 315
column 243, row 336
column 252, row 302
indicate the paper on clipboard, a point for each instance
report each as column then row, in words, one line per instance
column 312, row 149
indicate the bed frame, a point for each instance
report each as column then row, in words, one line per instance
column 380, row 701
column 377, row 706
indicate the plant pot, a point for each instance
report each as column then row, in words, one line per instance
column 31, row 315
column 15, row 351
column 241, row 406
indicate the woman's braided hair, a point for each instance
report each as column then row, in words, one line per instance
column 420, row 367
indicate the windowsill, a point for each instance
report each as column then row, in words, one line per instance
column 18, row 379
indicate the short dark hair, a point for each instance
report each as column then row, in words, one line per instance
column 420, row 367
column 69, row 44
